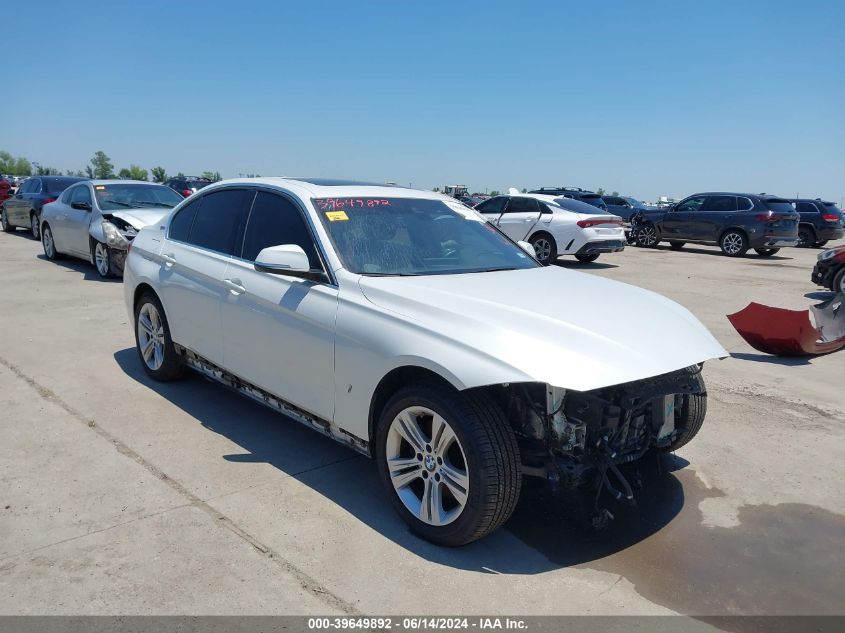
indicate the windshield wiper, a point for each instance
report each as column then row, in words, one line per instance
column 391, row 274
column 155, row 204
column 122, row 204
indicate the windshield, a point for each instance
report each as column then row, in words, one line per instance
column 122, row 196
column 405, row 236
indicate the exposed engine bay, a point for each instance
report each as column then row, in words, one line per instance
column 577, row 439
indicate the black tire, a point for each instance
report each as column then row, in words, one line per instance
column 837, row 284
column 676, row 246
column 492, row 461
column 820, row 244
column 806, row 237
column 734, row 243
column 766, row 252
column 49, row 244
column 4, row 222
column 173, row 366
column 647, row 236
column 107, row 272
column 34, row 223
column 586, row 259
column 689, row 417
column 544, row 255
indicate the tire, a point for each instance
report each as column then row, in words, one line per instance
column 49, row 244
column 586, row 259
column 766, row 252
column 689, row 417
column 734, row 243
column 483, row 450
column 838, row 282
column 676, row 246
column 101, row 257
column 34, row 222
column 164, row 363
column 4, row 222
column 545, row 248
column 806, row 237
column 820, row 244
column 647, row 236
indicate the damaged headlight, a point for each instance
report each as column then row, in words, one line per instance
column 114, row 237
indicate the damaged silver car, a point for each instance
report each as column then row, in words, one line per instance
column 97, row 220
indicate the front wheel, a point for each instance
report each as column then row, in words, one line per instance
column 545, row 248
column 586, row 259
column 689, row 416
column 152, row 340
column 4, row 222
column 102, row 256
column 449, row 462
column 838, row 283
column 734, row 244
column 766, row 252
column 647, row 236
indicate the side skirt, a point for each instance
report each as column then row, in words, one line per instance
column 220, row 375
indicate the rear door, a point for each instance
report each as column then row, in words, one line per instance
column 678, row 221
column 520, row 216
column 715, row 214
column 17, row 209
column 201, row 240
column 278, row 331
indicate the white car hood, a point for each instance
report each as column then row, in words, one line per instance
column 139, row 218
column 568, row 329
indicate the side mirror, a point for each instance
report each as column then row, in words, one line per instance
column 289, row 260
column 527, row 248
column 82, row 206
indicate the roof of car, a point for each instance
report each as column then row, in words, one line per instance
column 317, row 188
column 810, row 200
column 122, row 182
column 762, row 196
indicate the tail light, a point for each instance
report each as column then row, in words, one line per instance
column 186, row 192
column 830, row 217
column 769, row 217
column 588, row 223
column 48, row 200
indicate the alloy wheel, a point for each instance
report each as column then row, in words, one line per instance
column 47, row 241
column 732, row 243
column 101, row 259
column 427, row 466
column 4, row 220
column 33, row 226
column 648, row 236
column 542, row 249
column 151, row 336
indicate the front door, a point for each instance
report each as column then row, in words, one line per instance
column 278, row 331
column 678, row 221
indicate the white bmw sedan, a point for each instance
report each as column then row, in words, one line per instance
column 555, row 226
column 406, row 326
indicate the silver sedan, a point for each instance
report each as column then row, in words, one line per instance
column 97, row 220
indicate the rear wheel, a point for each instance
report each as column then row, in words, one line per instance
column 449, row 462
column 545, row 248
column 586, row 259
column 33, row 226
column 734, row 244
column 806, row 237
column 4, row 222
column 676, row 246
column 766, row 252
column 647, row 236
column 49, row 244
column 152, row 340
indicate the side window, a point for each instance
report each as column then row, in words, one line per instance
column 523, row 205
column 34, row 186
column 807, row 207
column 493, row 206
column 744, row 204
column 65, row 197
column 180, row 225
column 274, row 221
column 218, row 219
column 80, row 194
column 24, row 188
column 691, row 204
column 720, row 203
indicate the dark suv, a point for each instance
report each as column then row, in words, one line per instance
column 575, row 193
column 186, row 185
column 820, row 222
column 23, row 209
column 734, row 221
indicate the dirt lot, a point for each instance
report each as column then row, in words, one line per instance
column 118, row 495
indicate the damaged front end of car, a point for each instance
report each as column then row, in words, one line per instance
column 580, row 439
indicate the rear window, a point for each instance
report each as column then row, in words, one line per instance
column 830, row 207
column 57, row 185
column 779, row 206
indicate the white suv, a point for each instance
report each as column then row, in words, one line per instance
column 404, row 325
column 555, row 226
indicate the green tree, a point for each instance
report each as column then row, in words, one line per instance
column 614, row 193
column 48, row 171
column 493, row 193
column 524, row 190
column 78, row 173
column 14, row 166
column 213, row 176
column 101, row 166
column 159, row 175
column 600, row 191
column 180, row 175
column 133, row 172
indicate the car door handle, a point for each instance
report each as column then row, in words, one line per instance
column 169, row 259
column 235, row 286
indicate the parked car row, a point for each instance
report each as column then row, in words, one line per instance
column 407, row 326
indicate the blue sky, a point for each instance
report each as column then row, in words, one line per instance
column 647, row 98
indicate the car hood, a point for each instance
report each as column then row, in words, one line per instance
column 565, row 328
column 139, row 218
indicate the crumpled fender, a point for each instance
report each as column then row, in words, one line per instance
column 783, row 332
